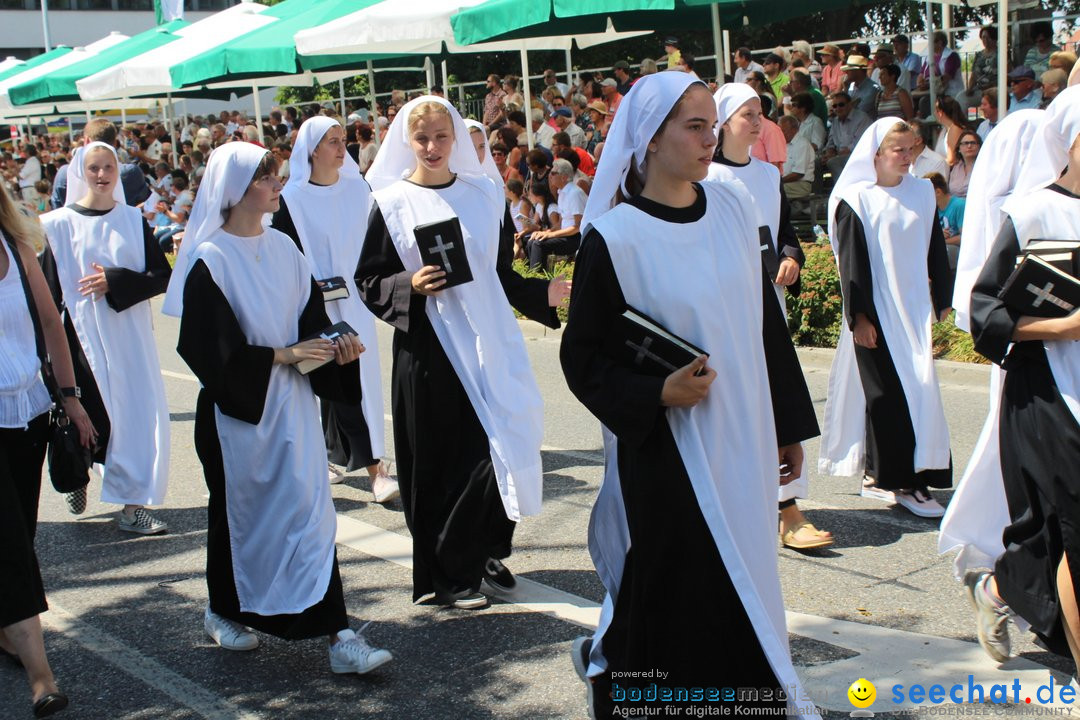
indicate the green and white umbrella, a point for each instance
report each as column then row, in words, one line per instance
column 14, row 66
column 56, row 64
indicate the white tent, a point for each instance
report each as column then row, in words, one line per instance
column 76, row 55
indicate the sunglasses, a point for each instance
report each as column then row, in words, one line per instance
column 839, row 105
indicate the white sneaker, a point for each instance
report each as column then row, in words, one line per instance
column 920, row 502
column 385, row 488
column 872, row 491
column 991, row 619
column 353, row 654
column 228, row 634
column 336, row 478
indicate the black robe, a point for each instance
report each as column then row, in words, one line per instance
column 1040, row 449
column 235, row 376
column 348, row 442
column 448, row 488
column 890, row 436
column 127, row 288
column 673, row 566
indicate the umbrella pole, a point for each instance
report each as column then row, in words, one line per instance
column 445, row 81
column 258, row 109
column 429, row 72
column 569, row 74
column 123, row 116
column 374, row 113
column 727, row 53
column 341, row 94
column 30, row 131
column 172, row 130
column 528, row 93
column 1003, row 57
column 931, row 72
column 718, row 42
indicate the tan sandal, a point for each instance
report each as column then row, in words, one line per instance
column 820, row 540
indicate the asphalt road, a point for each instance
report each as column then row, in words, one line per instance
column 125, row 630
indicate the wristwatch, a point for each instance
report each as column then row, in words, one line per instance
column 74, row 391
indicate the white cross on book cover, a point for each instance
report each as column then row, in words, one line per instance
column 642, row 344
column 1039, row 289
column 441, row 244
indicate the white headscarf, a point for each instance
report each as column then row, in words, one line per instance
column 227, row 177
column 309, row 135
column 859, row 169
column 643, row 110
column 729, row 98
column 396, row 159
column 992, row 181
column 77, row 186
column 489, row 166
column 1049, row 152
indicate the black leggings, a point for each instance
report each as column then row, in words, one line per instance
column 22, row 452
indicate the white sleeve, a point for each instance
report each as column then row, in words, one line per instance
column 573, row 204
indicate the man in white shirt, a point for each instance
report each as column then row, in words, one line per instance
column 810, row 125
column 564, row 118
column 551, row 79
column 926, row 160
column 542, row 132
column 571, row 203
column 798, row 175
column 989, row 108
column 744, row 65
column 29, row 174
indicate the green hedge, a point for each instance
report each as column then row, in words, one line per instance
column 814, row 317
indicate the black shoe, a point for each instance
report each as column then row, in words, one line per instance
column 579, row 653
column 76, row 501
column 51, row 703
column 499, row 576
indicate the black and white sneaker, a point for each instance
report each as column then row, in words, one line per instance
column 579, row 654
column 499, row 576
column 141, row 522
column 76, row 501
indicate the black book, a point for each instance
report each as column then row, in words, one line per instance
column 1062, row 254
column 1039, row 289
column 333, row 288
column 441, row 244
column 640, row 343
column 331, row 333
column 770, row 260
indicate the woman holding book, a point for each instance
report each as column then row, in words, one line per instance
column 884, row 418
column 468, row 418
column 1038, row 574
column 706, row 530
column 324, row 208
column 249, row 309
column 104, row 266
column 738, row 123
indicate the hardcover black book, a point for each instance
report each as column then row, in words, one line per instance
column 331, row 333
column 640, row 343
column 333, row 288
column 1040, row 289
column 1062, row 254
column 770, row 260
column 441, row 244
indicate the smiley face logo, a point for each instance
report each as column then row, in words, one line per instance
column 862, row 693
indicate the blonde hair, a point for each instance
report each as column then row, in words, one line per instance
column 17, row 225
column 428, row 107
column 900, row 128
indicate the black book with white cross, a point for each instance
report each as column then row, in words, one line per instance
column 644, row 345
column 441, row 244
column 1040, row 289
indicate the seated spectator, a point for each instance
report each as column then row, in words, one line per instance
column 571, row 201
column 560, row 142
column 1023, row 91
column 611, row 95
column 1037, row 58
column 623, row 79
column 760, row 83
column 926, row 160
column 1053, row 82
column 544, row 215
column 174, row 210
column 582, row 180
column 950, row 117
column 44, row 190
column 770, row 146
column 800, row 83
column 366, row 139
column 907, row 59
column 542, row 132
column 1063, row 60
column 687, row 63
column 774, row 65
column 983, row 75
column 521, row 210
column 847, row 127
column 648, row 67
column 944, row 66
column 893, row 100
column 744, row 65
column 798, row 173
column 599, row 118
column 538, row 161
column 951, row 214
column 883, row 58
column 832, row 71
column 810, row 127
column 564, row 121
column 988, row 106
column 861, row 89
column 499, row 154
column 967, row 149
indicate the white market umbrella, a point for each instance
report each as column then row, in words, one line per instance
column 76, row 55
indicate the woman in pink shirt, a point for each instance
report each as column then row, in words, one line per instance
column 832, row 74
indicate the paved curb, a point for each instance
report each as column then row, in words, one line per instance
column 949, row 372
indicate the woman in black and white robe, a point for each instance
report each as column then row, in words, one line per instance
column 324, row 209
column 246, row 299
column 738, row 126
column 884, row 416
column 468, row 417
column 104, row 266
column 1039, row 571
column 687, row 507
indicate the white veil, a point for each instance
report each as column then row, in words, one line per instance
column 77, row 186
column 309, row 135
column 490, row 169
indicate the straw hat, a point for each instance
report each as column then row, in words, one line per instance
column 830, row 50
column 856, row 62
column 598, row 106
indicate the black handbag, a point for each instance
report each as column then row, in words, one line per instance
column 69, row 461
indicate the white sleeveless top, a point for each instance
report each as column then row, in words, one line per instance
column 22, row 392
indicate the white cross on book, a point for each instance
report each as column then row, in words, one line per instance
column 441, row 248
column 1045, row 294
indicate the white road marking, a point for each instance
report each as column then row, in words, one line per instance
column 185, row 692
